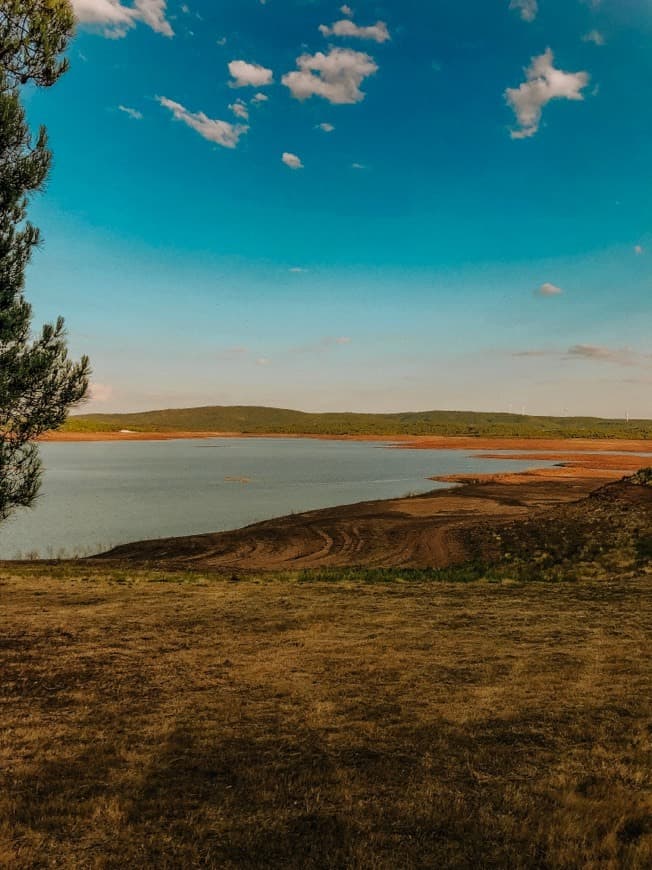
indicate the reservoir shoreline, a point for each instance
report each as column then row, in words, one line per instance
column 601, row 459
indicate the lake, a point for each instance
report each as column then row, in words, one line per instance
column 98, row 495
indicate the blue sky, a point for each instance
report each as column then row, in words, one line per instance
column 392, row 206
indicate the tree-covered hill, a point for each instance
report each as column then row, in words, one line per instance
column 260, row 421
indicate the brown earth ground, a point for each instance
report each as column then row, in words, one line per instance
column 424, row 531
column 178, row 721
column 429, row 530
column 417, row 442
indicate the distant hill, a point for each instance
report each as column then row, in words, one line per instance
column 265, row 421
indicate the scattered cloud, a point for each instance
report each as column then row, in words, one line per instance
column 527, row 9
column 358, row 166
column 548, row 289
column 346, row 10
column 543, row 84
column 618, row 356
column 595, row 37
column 377, row 32
column 327, row 128
column 240, row 110
column 133, row 113
column 335, row 76
column 263, row 361
column 221, row 132
column 298, row 270
column 639, row 250
column 249, row 75
column 221, row 41
column 114, row 19
column 534, row 353
column 152, row 13
column 259, row 98
column 100, row 392
column 292, row 160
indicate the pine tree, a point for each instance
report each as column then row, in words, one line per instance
column 38, row 383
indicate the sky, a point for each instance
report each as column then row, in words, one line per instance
column 378, row 207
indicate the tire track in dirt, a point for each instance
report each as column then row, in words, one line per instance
column 423, row 531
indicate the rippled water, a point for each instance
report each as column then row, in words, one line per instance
column 97, row 495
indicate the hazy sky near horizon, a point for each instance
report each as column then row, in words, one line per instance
column 381, row 206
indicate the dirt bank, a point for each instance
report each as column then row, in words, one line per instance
column 413, row 442
column 425, row 531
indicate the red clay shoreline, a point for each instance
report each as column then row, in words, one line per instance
column 414, row 442
column 425, row 531
column 602, row 459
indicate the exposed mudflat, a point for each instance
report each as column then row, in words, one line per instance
column 412, row 442
column 425, row 531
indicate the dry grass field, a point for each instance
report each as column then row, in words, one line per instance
column 153, row 719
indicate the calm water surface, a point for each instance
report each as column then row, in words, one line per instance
column 98, row 495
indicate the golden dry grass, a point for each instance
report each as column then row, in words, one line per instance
column 201, row 722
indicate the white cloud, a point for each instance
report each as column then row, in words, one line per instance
column 528, row 9
column 263, row 361
column 548, row 289
column 358, row 166
column 543, row 84
column 109, row 14
column 259, row 98
column 298, row 270
column 240, row 110
column 133, row 113
column 335, row 76
column 639, row 250
column 595, row 37
column 152, row 13
column 292, row 160
column 377, row 32
column 220, row 132
column 114, row 19
column 249, row 74
column 346, row 10
column 327, row 128
column 100, row 392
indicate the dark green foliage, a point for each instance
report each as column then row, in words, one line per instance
column 644, row 548
column 259, row 421
column 642, row 477
column 38, row 383
column 33, row 35
column 606, row 535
